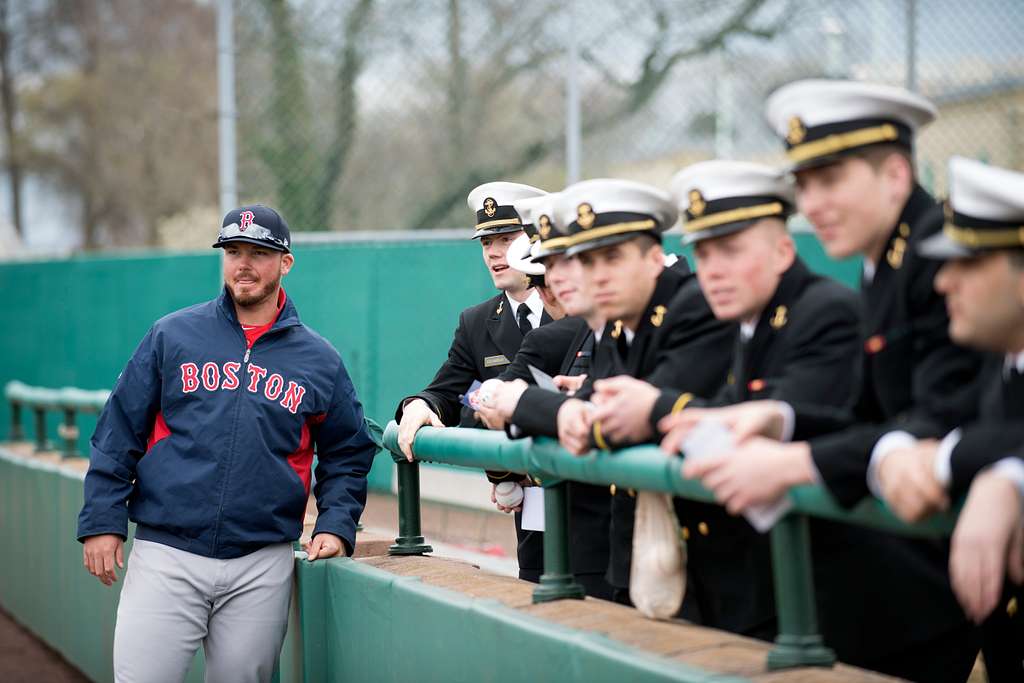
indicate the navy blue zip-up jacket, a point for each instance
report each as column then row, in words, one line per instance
column 210, row 443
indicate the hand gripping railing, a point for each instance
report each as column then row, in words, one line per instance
column 39, row 400
column 644, row 468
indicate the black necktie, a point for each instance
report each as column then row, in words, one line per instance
column 1013, row 393
column 622, row 346
column 524, row 322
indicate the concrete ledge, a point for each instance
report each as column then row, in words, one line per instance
column 600, row 636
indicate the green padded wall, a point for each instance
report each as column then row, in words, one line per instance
column 389, row 307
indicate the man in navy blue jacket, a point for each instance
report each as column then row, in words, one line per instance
column 207, row 443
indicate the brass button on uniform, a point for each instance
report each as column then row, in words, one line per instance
column 685, row 533
column 703, row 528
column 1011, row 607
column 611, row 489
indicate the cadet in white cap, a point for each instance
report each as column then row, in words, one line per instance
column 796, row 340
column 983, row 282
column 851, row 146
column 660, row 328
column 562, row 349
column 488, row 335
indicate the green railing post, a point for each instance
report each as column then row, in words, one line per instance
column 557, row 582
column 17, row 433
column 69, row 433
column 798, row 642
column 41, row 442
column 410, row 540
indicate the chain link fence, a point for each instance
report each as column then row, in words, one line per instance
column 383, row 114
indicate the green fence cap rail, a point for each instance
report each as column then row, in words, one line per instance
column 645, row 468
column 67, row 398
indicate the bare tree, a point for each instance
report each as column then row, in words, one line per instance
column 626, row 96
column 307, row 197
column 8, row 98
column 121, row 115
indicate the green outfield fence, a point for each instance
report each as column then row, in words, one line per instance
column 350, row 621
column 389, row 307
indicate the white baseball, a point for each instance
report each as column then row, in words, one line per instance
column 485, row 394
column 508, row 494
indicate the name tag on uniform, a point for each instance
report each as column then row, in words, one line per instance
column 491, row 361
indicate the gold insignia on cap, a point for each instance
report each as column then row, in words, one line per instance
column 544, row 226
column 617, row 329
column 490, row 207
column 585, row 215
column 697, row 203
column 895, row 254
column 797, row 131
column 779, row 319
column 659, row 316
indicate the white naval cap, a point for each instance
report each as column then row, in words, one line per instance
column 493, row 204
column 720, row 197
column 985, row 212
column 821, row 120
column 604, row 211
column 538, row 215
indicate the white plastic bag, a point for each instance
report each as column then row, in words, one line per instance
column 657, row 581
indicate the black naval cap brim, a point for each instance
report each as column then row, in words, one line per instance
column 502, row 230
column 610, row 240
column 722, row 230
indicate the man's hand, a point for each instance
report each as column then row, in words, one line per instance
column 624, row 406
column 499, row 404
column 757, row 472
column 987, row 543
column 502, row 508
column 416, row 414
column 570, row 384
column 100, row 554
column 909, row 486
column 744, row 420
column 324, row 545
column 574, row 420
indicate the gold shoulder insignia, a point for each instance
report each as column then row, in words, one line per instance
column 895, row 254
column 779, row 319
column 797, row 131
column 904, row 230
column 585, row 215
column 616, row 329
column 697, row 203
column 490, row 207
column 659, row 316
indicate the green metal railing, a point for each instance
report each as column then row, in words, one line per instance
column 39, row 400
column 645, row 468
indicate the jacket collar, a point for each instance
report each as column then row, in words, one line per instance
column 289, row 316
column 503, row 327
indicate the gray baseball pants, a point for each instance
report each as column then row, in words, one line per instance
column 174, row 601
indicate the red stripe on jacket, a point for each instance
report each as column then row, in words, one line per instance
column 159, row 433
column 301, row 459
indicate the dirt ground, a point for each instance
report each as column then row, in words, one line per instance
column 26, row 659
